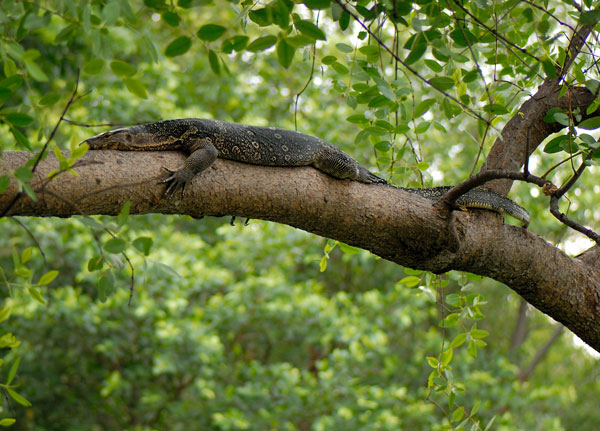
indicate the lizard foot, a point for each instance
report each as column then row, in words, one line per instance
column 232, row 221
column 178, row 179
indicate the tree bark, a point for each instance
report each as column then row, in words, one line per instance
column 398, row 226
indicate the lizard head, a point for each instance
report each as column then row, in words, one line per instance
column 112, row 140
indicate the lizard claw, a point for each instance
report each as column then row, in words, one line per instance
column 177, row 179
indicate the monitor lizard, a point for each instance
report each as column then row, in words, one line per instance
column 205, row 140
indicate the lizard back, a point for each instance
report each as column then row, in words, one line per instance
column 269, row 146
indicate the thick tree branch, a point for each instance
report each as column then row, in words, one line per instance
column 526, row 130
column 396, row 225
column 511, row 148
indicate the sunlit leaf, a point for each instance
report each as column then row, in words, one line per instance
column 179, row 46
column 211, row 32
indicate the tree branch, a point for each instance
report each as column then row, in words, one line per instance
column 396, row 225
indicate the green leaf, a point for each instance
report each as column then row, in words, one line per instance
column 309, row 29
column 261, row 43
column 458, row 340
column 495, row 108
column 433, row 362
column 211, row 32
column 549, row 117
column 263, row 17
column 235, row 43
column 47, row 278
column 122, row 69
column 590, row 123
column 111, row 12
column 5, row 94
column 549, row 68
column 6, row 422
column 115, row 245
column 15, row 50
column 285, row 53
column 178, row 47
column 171, row 18
column 18, row 398
column 447, row 357
column 13, row 371
column 18, row 119
column 26, row 255
column 4, row 182
column 416, row 53
column 422, row 127
column 29, row 192
column 490, row 423
column 451, row 320
column 105, row 286
column 49, row 99
column 317, row 4
column 555, row 145
column 478, row 333
column 37, row 295
column 433, row 65
column 124, row 213
column 423, row 107
column 136, row 87
column 35, row 71
column 5, row 312
column 357, row 119
column 213, row 60
column 329, row 59
column 95, row 263
column 95, row 66
column 410, row 281
column 458, row 414
column 590, row 17
column 88, row 221
column 442, row 82
column 340, row 68
column 323, row 264
column 383, row 146
column 9, row 67
column 155, row 4
column 344, row 48
column 280, row 13
column 23, row 174
column 143, row 244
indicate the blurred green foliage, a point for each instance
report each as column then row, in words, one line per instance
column 235, row 328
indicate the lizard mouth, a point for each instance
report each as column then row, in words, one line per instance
column 108, row 140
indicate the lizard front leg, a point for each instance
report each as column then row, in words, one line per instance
column 202, row 154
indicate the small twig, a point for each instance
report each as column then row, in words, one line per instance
column 526, row 372
column 131, row 286
column 495, row 33
column 545, row 174
column 45, row 147
column 526, row 162
column 407, row 67
column 577, row 41
column 573, row 225
column 462, row 30
column 308, row 81
column 560, row 192
column 33, row 238
column 62, row 116
column 77, row 123
column 483, row 177
column 554, row 17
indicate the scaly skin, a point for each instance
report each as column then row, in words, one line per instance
column 205, row 140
